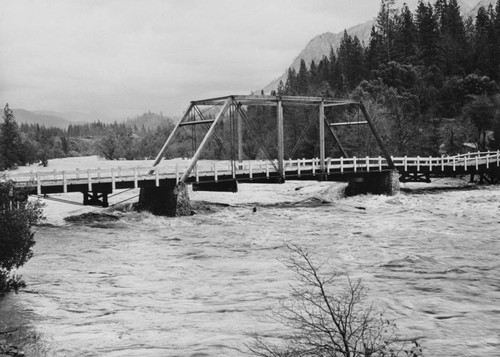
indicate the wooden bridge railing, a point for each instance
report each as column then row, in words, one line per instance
column 216, row 169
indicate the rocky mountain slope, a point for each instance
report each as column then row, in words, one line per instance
column 320, row 45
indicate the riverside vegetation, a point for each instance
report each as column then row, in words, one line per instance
column 326, row 316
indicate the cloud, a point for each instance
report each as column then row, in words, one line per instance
column 123, row 57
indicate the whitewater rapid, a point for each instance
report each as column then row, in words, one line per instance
column 201, row 285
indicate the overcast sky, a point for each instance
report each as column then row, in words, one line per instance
column 125, row 57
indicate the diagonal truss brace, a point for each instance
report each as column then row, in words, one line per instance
column 172, row 136
column 209, row 133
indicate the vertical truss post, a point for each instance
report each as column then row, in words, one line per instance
column 239, row 125
column 281, row 147
column 377, row 136
column 171, row 136
column 322, row 136
column 209, row 133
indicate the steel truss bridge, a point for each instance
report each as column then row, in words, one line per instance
column 96, row 184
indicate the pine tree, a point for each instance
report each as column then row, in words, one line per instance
column 351, row 61
column 405, row 40
column 386, row 28
column 496, row 43
column 302, row 79
column 10, row 141
column 333, row 71
column 453, row 40
column 291, row 82
column 427, row 35
column 374, row 52
column 482, row 27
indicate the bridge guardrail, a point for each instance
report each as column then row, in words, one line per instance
column 250, row 167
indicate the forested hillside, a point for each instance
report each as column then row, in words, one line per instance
column 429, row 77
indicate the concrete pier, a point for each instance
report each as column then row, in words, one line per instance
column 170, row 200
column 378, row 183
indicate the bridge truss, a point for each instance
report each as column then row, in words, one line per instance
column 233, row 108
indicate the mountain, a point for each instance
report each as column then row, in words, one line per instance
column 320, row 45
column 28, row 117
column 485, row 3
column 79, row 117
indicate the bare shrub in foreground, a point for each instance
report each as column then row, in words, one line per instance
column 328, row 316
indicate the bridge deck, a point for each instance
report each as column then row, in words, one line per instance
column 335, row 169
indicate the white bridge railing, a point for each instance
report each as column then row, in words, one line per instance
column 216, row 169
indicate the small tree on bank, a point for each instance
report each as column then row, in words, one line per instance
column 329, row 318
column 10, row 141
column 17, row 216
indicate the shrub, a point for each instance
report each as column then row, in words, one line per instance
column 17, row 216
column 328, row 317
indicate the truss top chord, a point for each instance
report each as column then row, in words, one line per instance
column 272, row 100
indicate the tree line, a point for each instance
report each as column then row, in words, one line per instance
column 430, row 79
column 27, row 144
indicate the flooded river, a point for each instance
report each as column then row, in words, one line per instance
column 200, row 285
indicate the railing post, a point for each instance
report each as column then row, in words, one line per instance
column 216, row 175
column 442, row 162
column 196, row 173
column 342, row 164
column 176, row 173
column 38, row 185
column 418, row 163
column 465, row 163
column 250, row 169
column 406, row 163
column 354, row 163
column 367, row 164
column 454, row 163
column 157, row 176
column 314, row 166
column 135, row 178
column 89, row 181
column 113, row 182
column 430, row 163
column 65, row 186
column 380, row 163
column 477, row 162
column 298, row 167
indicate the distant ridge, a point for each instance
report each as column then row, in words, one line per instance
column 320, row 45
column 47, row 120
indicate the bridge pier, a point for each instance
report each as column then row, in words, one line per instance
column 378, row 183
column 169, row 200
column 95, row 198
